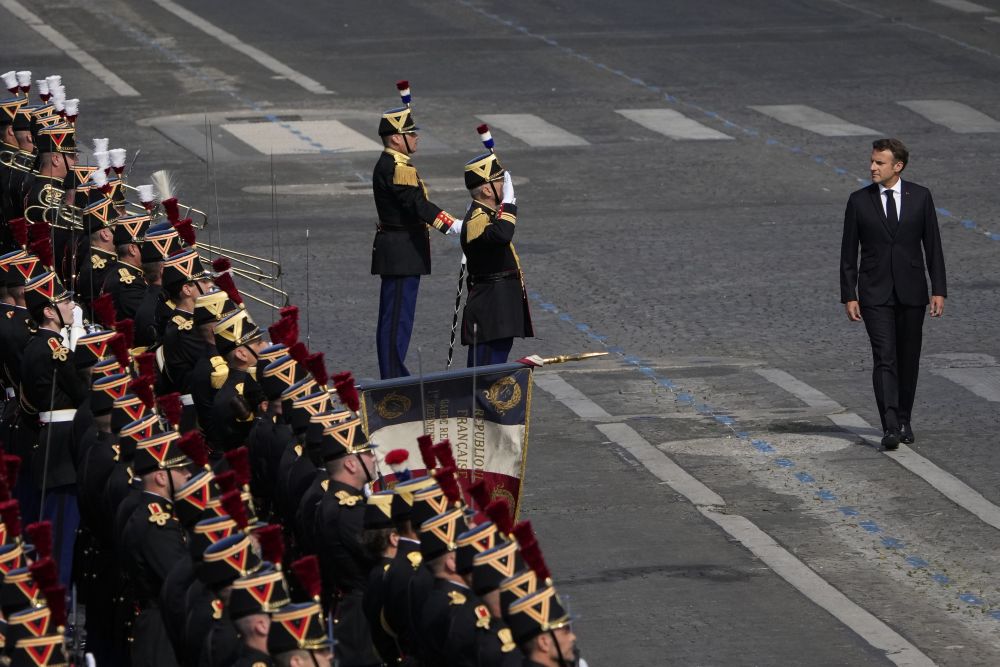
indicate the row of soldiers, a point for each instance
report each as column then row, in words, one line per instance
column 173, row 462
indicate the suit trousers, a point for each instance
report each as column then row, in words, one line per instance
column 396, row 307
column 896, row 334
column 490, row 352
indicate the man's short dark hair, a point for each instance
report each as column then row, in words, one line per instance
column 376, row 540
column 898, row 149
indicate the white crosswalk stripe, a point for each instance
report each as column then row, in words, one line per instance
column 964, row 6
column 955, row 116
column 672, row 124
column 533, row 130
column 303, row 136
column 814, row 120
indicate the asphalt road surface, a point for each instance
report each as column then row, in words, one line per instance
column 705, row 495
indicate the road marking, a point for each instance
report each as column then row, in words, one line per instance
column 947, row 484
column 963, row 6
column 817, row 589
column 813, row 120
column 672, row 124
column 571, row 397
column 983, row 382
column 533, row 130
column 237, row 44
column 995, row 19
column 758, row 542
column 808, row 395
column 60, row 41
column 302, row 136
column 956, row 116
column 661, row 465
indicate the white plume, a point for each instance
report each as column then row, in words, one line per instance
column 98, row 178
column 117, row 157
column 103, row 160
column 146, row 193
column 73, row 107
column 163, row 181
column 54, row 81
column 43, row 86
column 24, row 78
column 60, row 102
column 100, row 145
column 9, row 79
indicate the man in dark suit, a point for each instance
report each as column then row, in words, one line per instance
column 401, row 252
column 891, row 220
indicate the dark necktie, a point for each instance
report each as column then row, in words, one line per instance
column 890, row 210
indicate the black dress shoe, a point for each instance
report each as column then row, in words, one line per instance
column 906, row 434
column 890, row 440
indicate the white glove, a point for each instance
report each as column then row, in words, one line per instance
column 77, row 329
column 508, row 189
column 456, row 227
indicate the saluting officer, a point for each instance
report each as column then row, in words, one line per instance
column 401, row 252
column 496, row 310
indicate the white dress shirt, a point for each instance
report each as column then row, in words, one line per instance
column 897, row 195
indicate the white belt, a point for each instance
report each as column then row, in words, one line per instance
column 186, row 399
column 57, row 416
column 10, row 393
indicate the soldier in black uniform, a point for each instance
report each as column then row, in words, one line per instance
column 47, row 200
column 15, row 330
column 126, row 282
column 184, row 280
column 252, row 599
column 407, row 583
column 153, row 541
column 380, row 540
column 96, row 265
column 52, row 387
column 541, row 628
column 9, row 147
column 496, row 310
column 298, row 636
column 238, row 340
column 156, row 308
column 14, row 181
column 339, row 524
column 401, row 252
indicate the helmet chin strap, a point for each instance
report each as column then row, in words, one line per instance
column 496, row 197
column 563, row 662
column 406, row 142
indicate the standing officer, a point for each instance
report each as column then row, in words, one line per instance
column 401, row 252
column 496, row 310
column 891, row 220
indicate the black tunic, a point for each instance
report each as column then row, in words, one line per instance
column 402, row 244
column 127, row 287
column 93, row 270
column 151, row 317
column 407, row 586
column 153, row 542
column 457, row 630
column 497, row 302
column 45, row 358
column 182, row 346
column 373, row 603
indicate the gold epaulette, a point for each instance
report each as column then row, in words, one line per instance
column 415, row 559
column 405, row 175
column 476, row 225
column 182, row 322
column 348, row 499
column 455, row 598
column 220, row 371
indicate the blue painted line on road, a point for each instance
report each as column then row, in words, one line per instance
column 995, row 614
column 892, row 543
column 686, row 398
column 673, row 99
column 870, row 526
column 969, row 598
